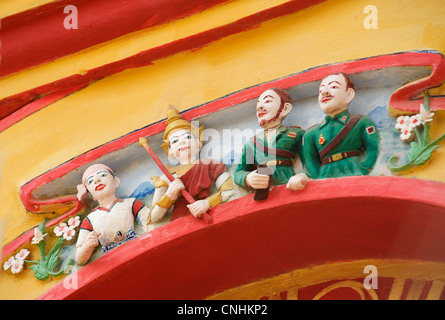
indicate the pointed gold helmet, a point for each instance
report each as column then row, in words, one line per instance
column 176, row 122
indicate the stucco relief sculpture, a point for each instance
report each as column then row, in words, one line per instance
column 48, row 265
column 187, row 187
column 416, row 127
column 267, row 158
column 342, row 144
column 112, row 222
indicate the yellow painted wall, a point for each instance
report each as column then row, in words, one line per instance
column 327, row 33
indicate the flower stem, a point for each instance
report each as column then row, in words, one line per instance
column 419, row 137
column 426, row 126
column 31, row 261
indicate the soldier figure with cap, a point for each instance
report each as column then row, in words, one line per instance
column 342, row 144
column 275, row 148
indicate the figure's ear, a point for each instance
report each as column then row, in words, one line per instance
column 118, row 181
column 350, row 95
column 286, row 109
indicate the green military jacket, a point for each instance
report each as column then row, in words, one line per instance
column 287, row 138
column 364, row 138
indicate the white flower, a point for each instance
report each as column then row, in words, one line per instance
column 60, row 229
column 402, row 123
column 17, row 266
column 406, row 134
column 38, row 236
column 425, row 116
column 414, row 121
column 22, row 254
column 8, row 263
column 69, row 233
column 74, row 222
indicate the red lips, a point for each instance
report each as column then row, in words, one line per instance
column 261, row 114
column 326, row 99
column 100, row 187
column 184, row 148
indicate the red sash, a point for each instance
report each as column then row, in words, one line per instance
column 198, row 182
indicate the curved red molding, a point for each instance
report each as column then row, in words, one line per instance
column 101, row 21
column 343, row 219
column 42, row 28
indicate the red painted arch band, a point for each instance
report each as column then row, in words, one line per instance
column 42, row 28
column 258, row 240
column 14, row 103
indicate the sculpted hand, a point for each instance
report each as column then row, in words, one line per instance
column 199, row 207
column 174, row 189
column 92, row 239
column 257, row 181
column 297, row 182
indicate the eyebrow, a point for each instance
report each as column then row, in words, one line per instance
column 266, row 97
column 333, row 82
column 90, row 176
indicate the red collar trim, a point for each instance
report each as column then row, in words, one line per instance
column 105, row 209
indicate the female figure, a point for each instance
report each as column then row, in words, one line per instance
column 112, row 222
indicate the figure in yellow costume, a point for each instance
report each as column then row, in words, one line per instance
column 199, row 177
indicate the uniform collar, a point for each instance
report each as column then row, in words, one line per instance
column 280, row 130
column 341, row 117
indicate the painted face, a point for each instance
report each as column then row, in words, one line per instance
column 101, row 184
column 183, row 145
column 333, row 95
column 268, row 107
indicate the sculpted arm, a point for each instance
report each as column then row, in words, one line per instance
column 164, row 197
column 371, row 141
column 245, row 173
column 225, row 189
column 299, row 180
column 86, row 243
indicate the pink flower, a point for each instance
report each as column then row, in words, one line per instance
column 8, row 263
column 22, row 254
column 69, row 233
column 74, row 222
column 60, row 229
column 17, row 266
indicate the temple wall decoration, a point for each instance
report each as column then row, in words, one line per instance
column 90, row 98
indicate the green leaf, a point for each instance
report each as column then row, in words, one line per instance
column 42, row 226
column 53, row 254
column 40, row 272
column 56, row 247
column 52, row 260
column 424, row 155
column 414, row 150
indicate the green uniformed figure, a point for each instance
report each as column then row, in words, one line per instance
column 267, row 158
column 341, row 145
